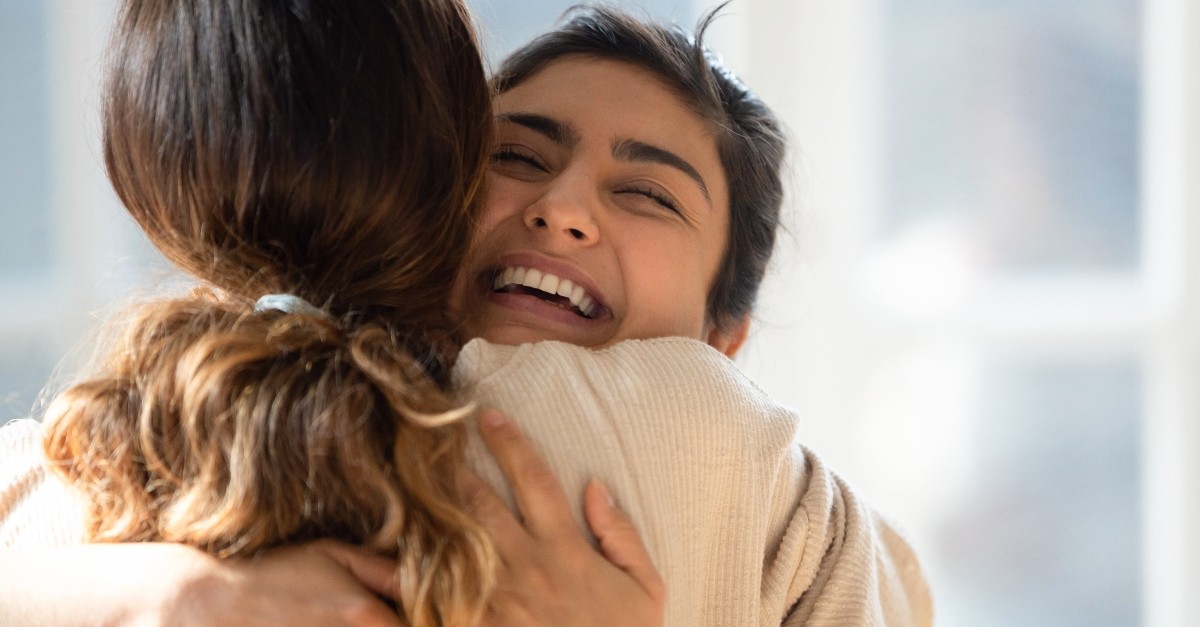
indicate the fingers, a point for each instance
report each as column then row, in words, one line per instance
column 488, row 510
column 377, row 574
column 619, row 539
column 539, row 496
column 318, row 583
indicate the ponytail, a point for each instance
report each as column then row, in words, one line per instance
column 237, row 431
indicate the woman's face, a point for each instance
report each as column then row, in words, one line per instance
column 605, row 216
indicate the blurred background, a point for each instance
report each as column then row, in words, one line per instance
column 987, row 304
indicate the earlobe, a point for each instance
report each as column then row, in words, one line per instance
column 729, row 341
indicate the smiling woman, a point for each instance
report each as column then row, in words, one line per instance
column 629, row 164
column 618, row 192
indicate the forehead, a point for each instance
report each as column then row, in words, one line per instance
column 582, row 81
column 610, row 100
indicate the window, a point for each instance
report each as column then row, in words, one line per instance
column 24, row 123
column 986, row 323
column 66, row 249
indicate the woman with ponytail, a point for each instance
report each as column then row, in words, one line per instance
column 313, row 166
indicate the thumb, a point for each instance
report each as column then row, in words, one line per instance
column 620, row 541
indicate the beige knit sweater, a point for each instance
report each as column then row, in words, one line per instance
column 746, row 526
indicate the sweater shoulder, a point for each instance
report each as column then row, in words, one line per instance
column 37, row 509
column 656, row 387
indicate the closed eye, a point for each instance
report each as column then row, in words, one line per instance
column 658, row 197
column 508, row 154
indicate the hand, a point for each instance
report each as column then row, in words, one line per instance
column 319, row 583
column 549, row 573
column 144, row 584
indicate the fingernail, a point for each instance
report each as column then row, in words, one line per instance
column 493, row 419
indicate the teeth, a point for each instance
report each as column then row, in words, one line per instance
column 533, row 278
column 548, row 283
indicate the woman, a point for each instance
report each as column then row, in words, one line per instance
column 313, row 166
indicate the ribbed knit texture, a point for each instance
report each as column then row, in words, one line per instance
column 36, row 509
column 746, row 526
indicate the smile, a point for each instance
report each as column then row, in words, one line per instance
column 546, row 286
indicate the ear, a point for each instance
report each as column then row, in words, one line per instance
column 729, row 341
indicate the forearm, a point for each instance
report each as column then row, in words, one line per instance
column 94, row 584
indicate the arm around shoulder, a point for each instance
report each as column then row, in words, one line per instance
column 50, row 577
column 95, row 584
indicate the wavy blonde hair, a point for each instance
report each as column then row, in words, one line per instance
column 327, row 150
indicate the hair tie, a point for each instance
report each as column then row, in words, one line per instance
column 288, row 303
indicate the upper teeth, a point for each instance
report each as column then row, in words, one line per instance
column 546, row 282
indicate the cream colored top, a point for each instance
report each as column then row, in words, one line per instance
column 746, row 526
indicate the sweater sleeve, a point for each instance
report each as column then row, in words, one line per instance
column 36, row 508
column 840, row 563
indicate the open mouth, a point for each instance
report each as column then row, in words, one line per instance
column 560, row 292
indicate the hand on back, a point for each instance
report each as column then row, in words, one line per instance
column 323, row 583
column 549, row 573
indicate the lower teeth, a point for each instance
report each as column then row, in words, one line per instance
column 552, row 299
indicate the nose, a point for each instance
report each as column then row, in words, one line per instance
column 565, row 213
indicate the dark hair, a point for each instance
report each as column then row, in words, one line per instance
column 750, row 140
column 327, row 150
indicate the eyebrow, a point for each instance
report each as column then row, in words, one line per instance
column 622, row 149
column 634, row 150
column 552, row 129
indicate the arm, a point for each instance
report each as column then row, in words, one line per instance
column 47, row 577
column 550, row 573
column 322, row 583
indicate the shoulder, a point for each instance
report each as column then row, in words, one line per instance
column 663, row 362
column 659, row 384
column 36, row 508
column 20, row 440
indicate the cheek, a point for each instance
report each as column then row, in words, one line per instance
column 668, row 285
column 502, row 199
column 501, row 207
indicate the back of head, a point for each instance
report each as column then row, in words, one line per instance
column 322, row 148
column 750, row 141
column 326, row 150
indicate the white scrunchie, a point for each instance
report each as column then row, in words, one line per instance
column 287, row 303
